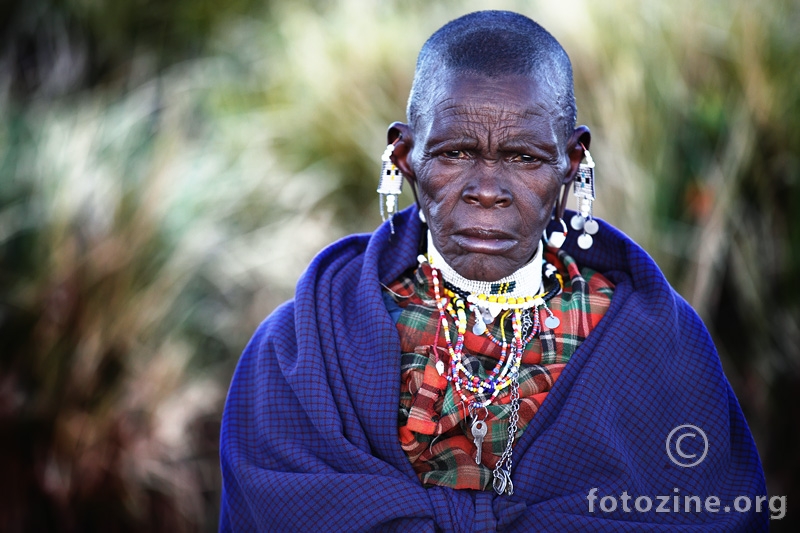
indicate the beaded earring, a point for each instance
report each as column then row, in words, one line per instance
column 556, row 238
column 585, row 193
column 390, row 185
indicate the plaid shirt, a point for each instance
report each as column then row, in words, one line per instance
column 433, row 421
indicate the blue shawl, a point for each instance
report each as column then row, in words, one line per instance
column 310, row 431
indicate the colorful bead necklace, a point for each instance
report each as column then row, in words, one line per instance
column 519, row 293
column 483, row 330
column 511, row 292
column 483, row 391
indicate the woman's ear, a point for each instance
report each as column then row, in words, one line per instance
column 579, row 141
column 399, row 134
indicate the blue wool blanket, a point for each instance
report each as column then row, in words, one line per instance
column 310, row 429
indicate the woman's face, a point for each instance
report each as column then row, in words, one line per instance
column 489, row 157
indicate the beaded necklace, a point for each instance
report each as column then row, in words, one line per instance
column 505, row 296
column 511, row 292
column 483, row 391
column 480, row 326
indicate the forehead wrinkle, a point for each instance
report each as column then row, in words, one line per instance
column 457, row 110
column 452, row 106
column 503, row 123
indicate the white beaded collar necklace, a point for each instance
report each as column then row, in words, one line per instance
column 520, row 290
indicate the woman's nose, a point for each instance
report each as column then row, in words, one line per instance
column 485, row 188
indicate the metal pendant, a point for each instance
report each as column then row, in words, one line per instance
column 480, row 327
column 552, row 322
column 585, row 241
column 479, row 430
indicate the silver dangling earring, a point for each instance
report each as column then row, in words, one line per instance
column 584, row 192
column 421, row 216
column 390, row 185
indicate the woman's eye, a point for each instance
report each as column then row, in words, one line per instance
column 454, row 154
column 525, row 158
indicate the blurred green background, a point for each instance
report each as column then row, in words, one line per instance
column 167, row 169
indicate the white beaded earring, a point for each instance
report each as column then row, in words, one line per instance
column 390, row 185
column 556, row 238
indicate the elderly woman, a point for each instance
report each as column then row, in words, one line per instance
column 468, row 368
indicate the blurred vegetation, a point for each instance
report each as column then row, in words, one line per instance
column 168, row 168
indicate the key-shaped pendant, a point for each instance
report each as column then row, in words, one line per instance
column 478, row 432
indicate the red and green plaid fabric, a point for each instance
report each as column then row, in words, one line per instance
column 434, row 425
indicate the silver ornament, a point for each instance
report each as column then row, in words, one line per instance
column 486, row 315
column 552, row 322
column 591, row 226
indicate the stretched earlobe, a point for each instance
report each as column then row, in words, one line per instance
column 400, row 136
column 578, row 142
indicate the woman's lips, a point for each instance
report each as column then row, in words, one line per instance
column 484, row 241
